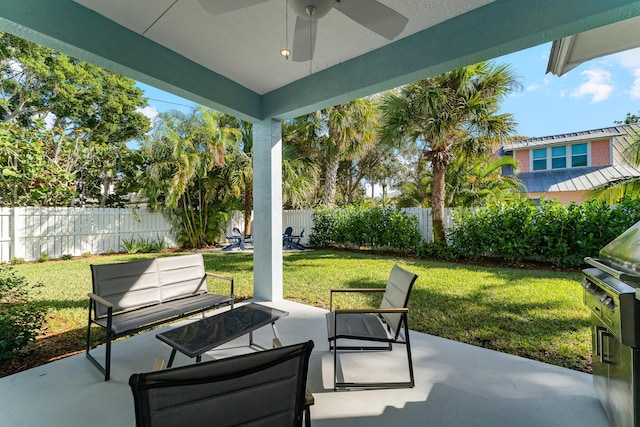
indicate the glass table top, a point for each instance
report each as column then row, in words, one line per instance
column 201, row 336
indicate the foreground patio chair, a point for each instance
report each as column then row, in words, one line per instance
column 387, row 324
column 266, row 388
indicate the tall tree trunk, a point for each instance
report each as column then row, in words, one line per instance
column 437, row 199
column 248, row 206
column 331, row 179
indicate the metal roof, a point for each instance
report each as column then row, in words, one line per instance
column 577, row 179
column 588, row 135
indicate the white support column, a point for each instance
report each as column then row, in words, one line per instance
column 267, row 208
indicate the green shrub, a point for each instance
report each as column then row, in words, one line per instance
column 86, row 254
column 559, row 234
column 134, row 246
column 371, row 227
column 439, row 251
column 17, row 261
column 66, row 257
column 20, row 318
column 44, row 257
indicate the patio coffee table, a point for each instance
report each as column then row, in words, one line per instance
column 206, row 334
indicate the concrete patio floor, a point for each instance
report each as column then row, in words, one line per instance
column 456, row 384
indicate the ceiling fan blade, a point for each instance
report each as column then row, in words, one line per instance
column 374, row 15
column 304, row 39
column 217, row 7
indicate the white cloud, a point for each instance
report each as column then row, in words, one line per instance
column 635, row 87
column 150, row 111
column 535, row 86
column 598, row 86
column 629, row 60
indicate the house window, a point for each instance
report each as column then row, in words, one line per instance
column 540, row 159
column 559, row 157
column 578, row 155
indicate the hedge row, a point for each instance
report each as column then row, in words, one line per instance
column 560, row 234
column 358, row 227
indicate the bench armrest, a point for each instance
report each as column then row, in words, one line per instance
column 230, row 279
column 354, row 290
column 399, row 310
column 100, row 300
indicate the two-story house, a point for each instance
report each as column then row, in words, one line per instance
column 568, row 166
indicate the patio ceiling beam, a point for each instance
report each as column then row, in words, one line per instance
column 67, row 27
column 494, row 30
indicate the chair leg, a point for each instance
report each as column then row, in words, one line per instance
column 409, row 359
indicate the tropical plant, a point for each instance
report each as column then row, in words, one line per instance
column 185, row 178
column 615, row 190
column 457, row 111
column 20, row 318
column 345, row 131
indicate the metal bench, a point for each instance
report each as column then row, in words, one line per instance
column 132, row 296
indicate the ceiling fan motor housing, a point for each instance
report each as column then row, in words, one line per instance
column 319, row 8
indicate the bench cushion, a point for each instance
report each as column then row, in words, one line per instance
column 134, row 319
column 198, row 302
column 181, row 276
column 126, row 285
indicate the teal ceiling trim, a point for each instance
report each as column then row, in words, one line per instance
column 482, row 34
column 64, row 26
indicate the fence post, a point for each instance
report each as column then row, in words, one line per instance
column 17, row 235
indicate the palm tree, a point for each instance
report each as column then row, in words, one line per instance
column 337, row 133
column 614, row 191
column 453, row 112
column 185, row 155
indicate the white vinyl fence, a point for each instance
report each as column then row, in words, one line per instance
column 29, row 232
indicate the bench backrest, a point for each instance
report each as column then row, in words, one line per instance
column 140, row 283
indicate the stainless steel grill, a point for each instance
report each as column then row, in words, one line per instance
column 610, row 289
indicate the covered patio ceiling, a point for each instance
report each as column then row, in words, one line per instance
column 229, row 60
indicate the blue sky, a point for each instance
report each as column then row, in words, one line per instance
column 590, row 96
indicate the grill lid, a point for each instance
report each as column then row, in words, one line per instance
column 623, row 253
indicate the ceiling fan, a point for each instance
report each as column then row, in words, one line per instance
column 371, row 14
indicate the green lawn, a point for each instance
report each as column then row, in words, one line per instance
column 536, row 314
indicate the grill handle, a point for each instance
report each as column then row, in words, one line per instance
column 625, row 277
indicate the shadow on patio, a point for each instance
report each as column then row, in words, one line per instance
column 456, row 384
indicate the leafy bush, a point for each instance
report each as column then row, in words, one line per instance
column 18, row 260
column 20, row 318
column 555, row 233
column 141, row 245
column 86, row 254
column 44, row 257
column 66, row 257
column 440, row 251
column 375, row 227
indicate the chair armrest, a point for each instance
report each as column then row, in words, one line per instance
column 230, row 279
column 355, row 290
column 100, row 300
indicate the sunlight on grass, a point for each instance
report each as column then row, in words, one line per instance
column 537, row 314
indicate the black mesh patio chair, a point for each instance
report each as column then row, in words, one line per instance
column 265, row 388
column 386, row 324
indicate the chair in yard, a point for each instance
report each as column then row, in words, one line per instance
column 266, row 388
column 291, row 241
column 238, row 240
column 386, row 324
